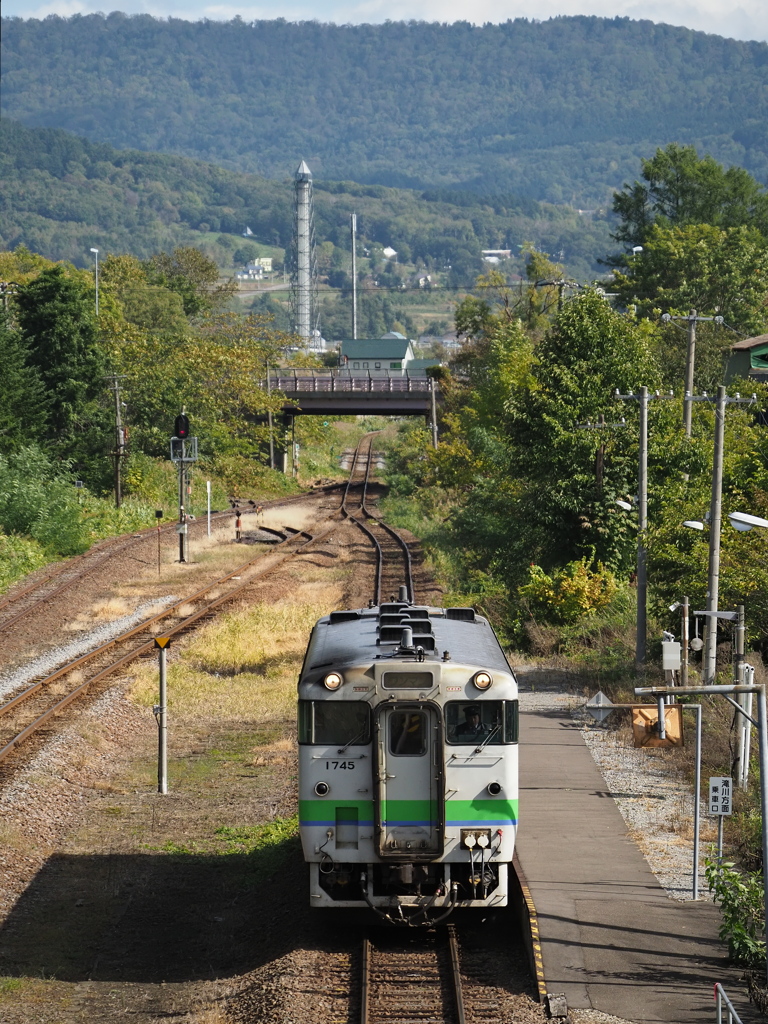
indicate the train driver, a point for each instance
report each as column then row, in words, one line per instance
column 472, row 727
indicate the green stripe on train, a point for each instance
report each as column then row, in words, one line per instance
column 480, row 810
column 456, row 811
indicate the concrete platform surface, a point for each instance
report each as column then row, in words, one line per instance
column 612, row 939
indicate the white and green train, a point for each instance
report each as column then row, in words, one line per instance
column 408, row 795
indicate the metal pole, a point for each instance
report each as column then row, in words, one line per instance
column 738, row 677
column 685, row 640
column 96, row 251
column 762, row 728
column 353, row 223
column 434, row 412
column 118, row 443
column 162, row 730
column 208, row 490
column 689, row 364
column 697, row 804
column 642, row 525
column 271, row 427
column 182, row 517
column 715, row 512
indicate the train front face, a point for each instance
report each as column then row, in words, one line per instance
column 408, row 725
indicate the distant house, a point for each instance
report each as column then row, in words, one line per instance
column 390, row 356
column 748, row 358
column 495, row 255
column 256, row 269
column 389, row 253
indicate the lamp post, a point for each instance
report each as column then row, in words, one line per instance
column 96, row 254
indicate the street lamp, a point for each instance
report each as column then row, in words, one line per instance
column 96, row 252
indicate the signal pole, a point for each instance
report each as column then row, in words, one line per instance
column 183, row 455
column 119, row 434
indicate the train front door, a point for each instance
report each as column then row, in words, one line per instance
column 410, row 782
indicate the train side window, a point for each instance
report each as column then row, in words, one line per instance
column 511, row 721
column 490, row 722
column 334, row 722
column 407, row 733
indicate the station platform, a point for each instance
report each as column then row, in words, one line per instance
column 611, row 939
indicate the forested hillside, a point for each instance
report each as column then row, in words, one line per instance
column 60, row 195
column 559, row 110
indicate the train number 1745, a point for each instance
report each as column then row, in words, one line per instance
column 339, row 764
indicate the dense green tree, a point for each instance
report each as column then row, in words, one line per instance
column 680, row 188
column 192, row 275
column 23, row 405
column 56, row 319
column 717, row 271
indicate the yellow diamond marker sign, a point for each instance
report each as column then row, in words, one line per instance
column 162, row 641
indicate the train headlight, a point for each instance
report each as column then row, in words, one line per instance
column 322, row 789
column 482, row 680
column 494, row 788
column 332, row 681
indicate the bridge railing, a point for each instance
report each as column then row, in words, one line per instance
column 293, row 383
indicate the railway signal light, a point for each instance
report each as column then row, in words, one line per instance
column 181, row 426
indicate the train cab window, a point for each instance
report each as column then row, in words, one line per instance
column 486, row 722
column 337, row 722
column 407, row 733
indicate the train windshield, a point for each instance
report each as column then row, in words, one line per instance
column 337, row 722
column 486, row 722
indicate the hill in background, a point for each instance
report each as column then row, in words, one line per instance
column 60, row 195
column 559, row 111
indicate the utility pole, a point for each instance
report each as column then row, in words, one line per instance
column 692, row 319
column 271, row 425
column 432, row 383
column 709, row 661
column 642, row 520
column 114, row 380
column 353, row 226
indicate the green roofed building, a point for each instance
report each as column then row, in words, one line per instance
column 393, row 353
column 749, row 358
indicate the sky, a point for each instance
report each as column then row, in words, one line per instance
column 736, row 19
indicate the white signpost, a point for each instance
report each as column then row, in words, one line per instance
column 720, row 804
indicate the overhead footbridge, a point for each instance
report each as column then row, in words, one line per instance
column 355, row 393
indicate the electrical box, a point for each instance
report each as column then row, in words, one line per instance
column 670, row 655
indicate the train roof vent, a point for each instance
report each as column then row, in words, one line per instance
column 343, row 617
column 422, row 640
column 417, row 613
column 390, row 634
column 418, row 625
column 463, row 614
column 390, row 609
column 391, row 620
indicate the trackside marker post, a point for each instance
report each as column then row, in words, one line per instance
column 160, row 711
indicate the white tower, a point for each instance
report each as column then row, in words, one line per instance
column 303, row 271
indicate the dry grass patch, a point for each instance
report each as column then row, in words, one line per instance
column 242, row 666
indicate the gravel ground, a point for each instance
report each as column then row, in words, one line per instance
column 60, row 655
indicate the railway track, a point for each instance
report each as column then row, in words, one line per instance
column 412, row 980
column 393, row 558
column 31, row 712
column 23, row 601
